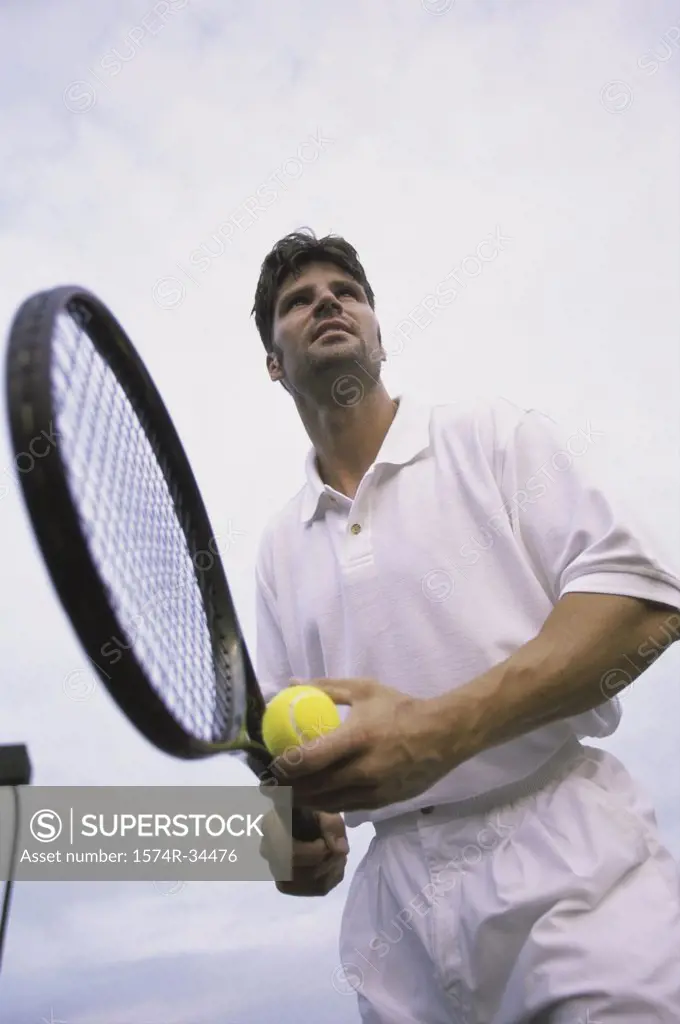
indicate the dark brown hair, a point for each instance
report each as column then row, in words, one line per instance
column 288, row 257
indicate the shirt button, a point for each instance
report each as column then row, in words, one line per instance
column 355, row 528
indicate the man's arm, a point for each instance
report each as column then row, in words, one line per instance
column 615, row 600
column 393, row 747
column 591, row 647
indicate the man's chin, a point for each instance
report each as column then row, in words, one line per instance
column 332, row 339
column 336, row 351
column 342, row 364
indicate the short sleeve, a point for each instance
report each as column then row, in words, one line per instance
column 577, row 537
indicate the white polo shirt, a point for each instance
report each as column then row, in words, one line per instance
column 469, row 526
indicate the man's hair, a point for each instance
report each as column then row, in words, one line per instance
column 288, row 257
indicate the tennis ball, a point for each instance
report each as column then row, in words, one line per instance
column 296, row 715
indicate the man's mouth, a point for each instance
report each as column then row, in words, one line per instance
column 330, row 328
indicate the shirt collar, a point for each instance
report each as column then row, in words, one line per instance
column 407, row 437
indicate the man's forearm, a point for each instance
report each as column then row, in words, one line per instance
column 591, row 647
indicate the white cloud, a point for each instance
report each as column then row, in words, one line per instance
column 444, row 129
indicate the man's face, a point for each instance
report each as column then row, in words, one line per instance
column 324, row 329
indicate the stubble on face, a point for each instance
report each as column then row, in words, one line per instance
column 322, row 366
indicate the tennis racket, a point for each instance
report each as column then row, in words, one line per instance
column 125, row 535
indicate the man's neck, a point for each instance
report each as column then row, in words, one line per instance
column 347, row 439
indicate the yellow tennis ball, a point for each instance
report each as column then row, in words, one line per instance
column 296, row 715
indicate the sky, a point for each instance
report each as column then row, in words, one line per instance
column 153, row 153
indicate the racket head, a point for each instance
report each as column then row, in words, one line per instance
column 70, row 331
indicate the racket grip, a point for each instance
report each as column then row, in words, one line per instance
column 304, row 825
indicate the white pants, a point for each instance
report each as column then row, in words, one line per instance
column 559, row 908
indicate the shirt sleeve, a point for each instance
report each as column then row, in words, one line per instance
column 272, row 666
column 577, row 537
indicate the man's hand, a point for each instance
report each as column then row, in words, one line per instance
column 390, row 748
column 317, row 867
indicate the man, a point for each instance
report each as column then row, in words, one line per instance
column 450, row 575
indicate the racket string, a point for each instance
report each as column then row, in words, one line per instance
column 154, row 579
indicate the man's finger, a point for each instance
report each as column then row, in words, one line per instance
column 329, row 869
column 342, row 691
column 332, row 825
column 338, row 845
column 336, row 841
column 335, row 749
column 310, row 854
column 332, row 873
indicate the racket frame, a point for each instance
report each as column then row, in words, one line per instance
column 56, row 524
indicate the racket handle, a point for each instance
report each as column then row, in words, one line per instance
column 305, row 825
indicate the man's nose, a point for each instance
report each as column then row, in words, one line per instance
column 327, row 303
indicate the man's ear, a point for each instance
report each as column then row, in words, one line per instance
column 383, row 353
column 274, row 367
column 276, row 371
